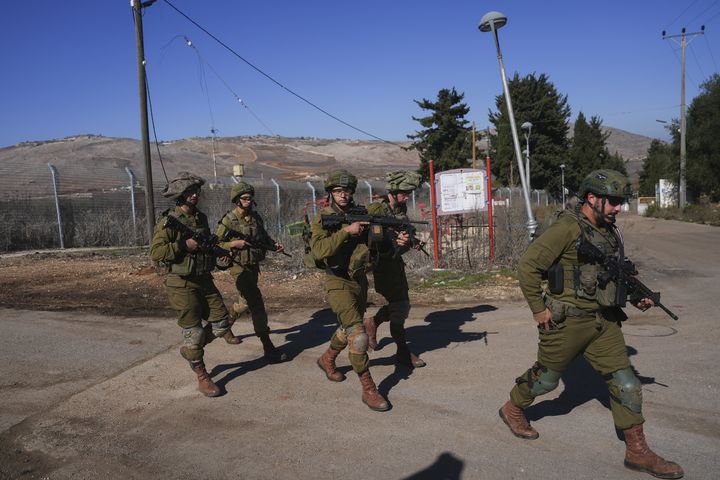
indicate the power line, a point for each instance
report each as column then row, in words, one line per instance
column 257, row 69
column 681, row 14
column 701, row 13
column 712, row 57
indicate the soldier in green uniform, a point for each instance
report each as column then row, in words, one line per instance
column 389, row 271
column 346, row 258
column 577, row 313
column 237, row 231
column 189, row 283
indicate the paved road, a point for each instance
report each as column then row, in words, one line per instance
column 97, row 397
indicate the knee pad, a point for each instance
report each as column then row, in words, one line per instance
column 626, row 389
column 399, row 311
column 357, row 339
column 220, row 328
column 542, row 380
column 193, row 342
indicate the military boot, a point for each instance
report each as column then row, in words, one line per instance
column 405, row 357
column 326, row 362
column 271, row 353
column 370, row 395
column 205, row 384
column 638, row 456
column 371, row 324
column 515, row 419
column 231, row 338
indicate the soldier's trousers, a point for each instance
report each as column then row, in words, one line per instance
column 246, row 283
column 601, row 343
column 391, row 282
column 348, row 300
column 196, row 299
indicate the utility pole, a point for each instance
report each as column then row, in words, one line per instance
column 473, row 146
column 682, row 189
column 137, row 6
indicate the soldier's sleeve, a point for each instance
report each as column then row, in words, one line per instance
column 166, row 245
column 221, row 231
column 324, row 243
column 376, row 208
column 539, row 257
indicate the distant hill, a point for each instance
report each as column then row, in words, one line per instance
column 92, row 162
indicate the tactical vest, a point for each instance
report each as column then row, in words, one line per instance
column 354, row 255
column 193, row 264
column 586, row 279
column 252, row 229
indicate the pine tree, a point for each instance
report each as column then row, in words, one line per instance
column 703, row 142
column 446, row 138
column 536, row 100
column 589, row 152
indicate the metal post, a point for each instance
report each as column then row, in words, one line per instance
column 54, row 174
column 491, row 236
column 313, row 197
column 562, row 184
column 277, row 202
column 433, row 207
column 682, row 189
column 132, row 198
column 370, row 190
column 413, row 201
column 531, row 223
column 142, row 91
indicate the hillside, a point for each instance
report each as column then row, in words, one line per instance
column 90, row 162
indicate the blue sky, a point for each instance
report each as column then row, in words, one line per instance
column 70, row 67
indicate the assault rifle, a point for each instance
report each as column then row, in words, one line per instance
column 252, row 242
column 624, row 274
column 207, row 242
column 377, row 223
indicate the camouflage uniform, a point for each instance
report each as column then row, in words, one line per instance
column 234, row 225
column 189, row 283
column 346, row 259
column 584, row 317
column 389, row 271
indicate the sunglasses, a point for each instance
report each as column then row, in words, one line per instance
column 615, row 201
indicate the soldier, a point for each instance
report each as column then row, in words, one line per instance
column 189, row 283
column 578, row 314
column 389, row 271
column 346, row 257
column 243, row 232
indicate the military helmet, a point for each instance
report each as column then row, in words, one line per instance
column 606, row 183
column 239, row 189
column 340, row 178
column 177, row 186
column 402, row 180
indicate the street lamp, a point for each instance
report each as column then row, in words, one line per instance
column 527, row 126
column 562, row 183
column 490, row 22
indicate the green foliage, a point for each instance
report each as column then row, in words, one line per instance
column 706, row 213
column 589, row 152
column 703, row 141
column 536, row 100
column 661, row 162
column 457, row 279
column 446, row 138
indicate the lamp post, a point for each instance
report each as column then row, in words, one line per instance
column 527, row 126
column 562, row 183
column 490, row 22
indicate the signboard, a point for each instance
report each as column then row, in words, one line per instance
column 462, row 190
column 665, row 193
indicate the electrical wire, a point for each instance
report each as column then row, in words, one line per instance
column 152, row 120
column 257, row 69
column 681, row 14
column 237, row 97
column 692, row 50
column 701, row 13
column 712, row 57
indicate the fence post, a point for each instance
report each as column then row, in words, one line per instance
column 132, row 199
column 370, row 190
column 54, row 174
column 277, row 203
column 313, row 197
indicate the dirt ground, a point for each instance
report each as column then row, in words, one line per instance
column 110, row 282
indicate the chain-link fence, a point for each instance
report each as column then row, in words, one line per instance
column 61, row 208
